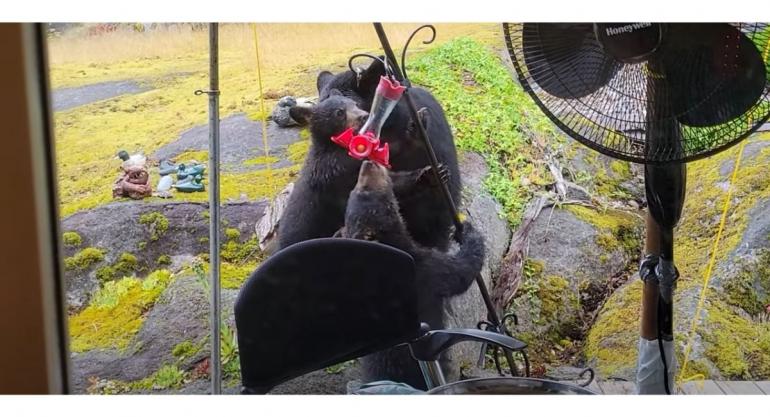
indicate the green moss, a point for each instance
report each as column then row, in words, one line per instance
column 203, row 240
column 297, row 151
column 611, row 341
column 621, row 169
column 618, row 230
column 163, row 260
column 478, row 94
column 116, row 312
column 168, row 376
column 533, row 269
column 551, row 305
column 126, row 265
column 141, row 245
column 258, row 115
column 261, row 160
column 232, row 234
column 234, row 251
column 84, row 259
column 72, row 239
column 749, row 288
column 338, row 368
column 156, row 223
column 184, row 350
column 738, row 347
column 188, row 156
column 233, row 276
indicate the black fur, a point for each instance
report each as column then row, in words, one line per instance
column 316, row 207
column 373, row 214
column 428, row 219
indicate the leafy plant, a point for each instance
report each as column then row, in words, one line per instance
column 489, row 113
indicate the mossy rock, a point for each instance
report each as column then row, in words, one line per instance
column 71, row 239
column 606, row 178
column 730, row 341
column 84, row 259
column 577, row 255
column 118, row 226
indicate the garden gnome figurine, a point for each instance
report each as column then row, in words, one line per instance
column 134, row 181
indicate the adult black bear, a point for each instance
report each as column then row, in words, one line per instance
column 427, row 217
column 373, row 214
column 316, row 207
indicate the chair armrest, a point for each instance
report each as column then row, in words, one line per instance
column 430, row 346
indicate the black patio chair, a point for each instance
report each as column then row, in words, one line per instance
column 326, row 301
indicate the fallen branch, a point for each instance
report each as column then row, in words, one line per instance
column 509, row 276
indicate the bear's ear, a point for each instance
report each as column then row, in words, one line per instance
column 323, row 80
column 370, row 77
column 301, row 114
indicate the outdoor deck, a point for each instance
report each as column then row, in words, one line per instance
column 709, row 387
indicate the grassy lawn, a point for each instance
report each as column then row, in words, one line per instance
column 175, row 64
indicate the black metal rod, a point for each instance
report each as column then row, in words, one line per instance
column 431, row 154
column 447, row 196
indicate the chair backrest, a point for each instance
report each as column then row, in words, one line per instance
column 321, row 302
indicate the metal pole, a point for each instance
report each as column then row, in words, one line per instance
column 447, row 197
column 215, row 364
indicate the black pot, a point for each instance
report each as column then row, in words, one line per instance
column 509, row 386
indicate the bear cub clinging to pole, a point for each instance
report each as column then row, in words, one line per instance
column 373, row 214
column 316, row 207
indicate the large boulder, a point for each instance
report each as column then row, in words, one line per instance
column 466, row 310
column 141, row 235
column 732, row 337
column 577, row 256
column 178, row 318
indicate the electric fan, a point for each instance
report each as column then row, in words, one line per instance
column 659, row 94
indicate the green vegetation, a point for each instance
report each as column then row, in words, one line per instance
column 232, row 234
column 163, row 260
column 550, row 304
column 618, row 230
column 231, row 365
column 84, row 259
column 126, row 265
column 189, row 156
column 116, row 312
column 490, row 114
column 611, row 344
column 339, row 367
column 749, row 288
column 168, row 376
column 71, row 239
column 732, row 341
column 261, row 160
column 297, row 151
column 156, row 224
column 185, row 350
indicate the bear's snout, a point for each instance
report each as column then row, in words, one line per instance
column 357, row 118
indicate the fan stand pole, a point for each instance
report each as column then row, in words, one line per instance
column 665, row 190
column 649, row 329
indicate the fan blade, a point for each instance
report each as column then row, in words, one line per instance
column 714, row 71
column 566, row 59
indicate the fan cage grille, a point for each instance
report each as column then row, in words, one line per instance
column 613, row 119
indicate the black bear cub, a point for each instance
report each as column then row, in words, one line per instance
column 316, row 207
column 373, row 214
column 428, row 220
